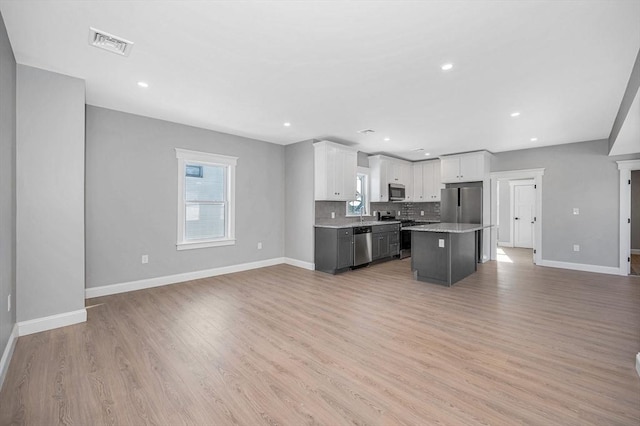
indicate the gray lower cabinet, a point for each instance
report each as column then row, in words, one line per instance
column 394, row 243
column 333, row 249
column 385, row 241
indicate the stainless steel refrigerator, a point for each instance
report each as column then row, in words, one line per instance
column 461, row 205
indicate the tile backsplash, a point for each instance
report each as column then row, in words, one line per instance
column 401, row 210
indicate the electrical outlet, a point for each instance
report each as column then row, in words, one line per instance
column 576, row 247
column 441, row 242
column 421, row 212
column 576, row 211
column 9, row 303
column 333, row 215
column 260, row 246
column 145, row 258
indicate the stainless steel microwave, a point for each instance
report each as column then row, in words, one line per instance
column 396, row 192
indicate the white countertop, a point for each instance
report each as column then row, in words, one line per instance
column 337, row 225
column 348, row 223
column 454, row 228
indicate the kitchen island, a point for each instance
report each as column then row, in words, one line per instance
column 444, row 253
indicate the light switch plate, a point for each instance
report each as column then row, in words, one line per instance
column 421, row 212
column 145, row 258
column 333, row 215
column 576, row 210
column 576, row 247
column 441, row 242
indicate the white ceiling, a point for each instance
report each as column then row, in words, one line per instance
column 332, row 68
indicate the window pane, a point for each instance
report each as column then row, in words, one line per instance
column 209, row 187
column 359, row 205
column 204, row 221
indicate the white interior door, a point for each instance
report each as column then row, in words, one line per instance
column 524, row 199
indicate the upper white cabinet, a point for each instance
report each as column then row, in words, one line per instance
column 426, row 181
column 335, row 171
column 470, row 167
column 385, row 170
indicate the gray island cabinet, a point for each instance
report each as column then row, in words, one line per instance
column 444, row 253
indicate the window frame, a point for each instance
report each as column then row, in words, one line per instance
column 184, row 157
column 367, row 193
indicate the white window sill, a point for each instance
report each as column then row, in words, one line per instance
column 204, row 244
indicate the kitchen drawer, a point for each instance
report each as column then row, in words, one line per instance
column 344, row 232
column 377, row 229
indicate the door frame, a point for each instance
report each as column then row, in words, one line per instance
column 512, row 207
column 625, row 167
column 536, row 175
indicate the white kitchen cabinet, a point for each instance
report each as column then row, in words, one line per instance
column 470, row 167
column 385, row 170
column 418, row 185
column 335, row 168
column 426, row 181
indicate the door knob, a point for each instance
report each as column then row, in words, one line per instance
column 516, row 218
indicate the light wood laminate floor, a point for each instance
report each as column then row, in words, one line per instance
column 511, row 344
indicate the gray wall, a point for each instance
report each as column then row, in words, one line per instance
column 7, row 186
column 50, row 193
column 131, row 198
column 299, row 202
column 635, row 209
column 363, row 159
column 504, row 230
column 576, row 175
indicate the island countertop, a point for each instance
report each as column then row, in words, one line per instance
column 454, row 228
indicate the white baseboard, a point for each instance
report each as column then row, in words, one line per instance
column 300, row 263
column 635, row 251
column 54, row 321
column 612, row 270
column 179, row 278
column 505, row 244
column 638, row 363
column 8, row 352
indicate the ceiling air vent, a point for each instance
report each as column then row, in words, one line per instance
column 109, row 42
column 365, row 131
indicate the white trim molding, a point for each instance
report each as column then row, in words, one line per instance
column 300, row 263
column 53, row 321
column 625, row 168
column 635, row 251
column 178, row 278
column 8, row 353
column 638, row 363
column 536, row 175
column 611, row 270
column 505, row 244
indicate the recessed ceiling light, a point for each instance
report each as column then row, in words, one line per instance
column 515, row 114
column 143, row 84
column 426, row 153
column 446, row 67
column 534, row 139
column 387, row 139
column 287, row 124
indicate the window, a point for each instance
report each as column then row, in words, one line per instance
column 360, row 206
column 206, row 192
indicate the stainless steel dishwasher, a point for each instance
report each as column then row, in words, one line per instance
column 361, row 245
